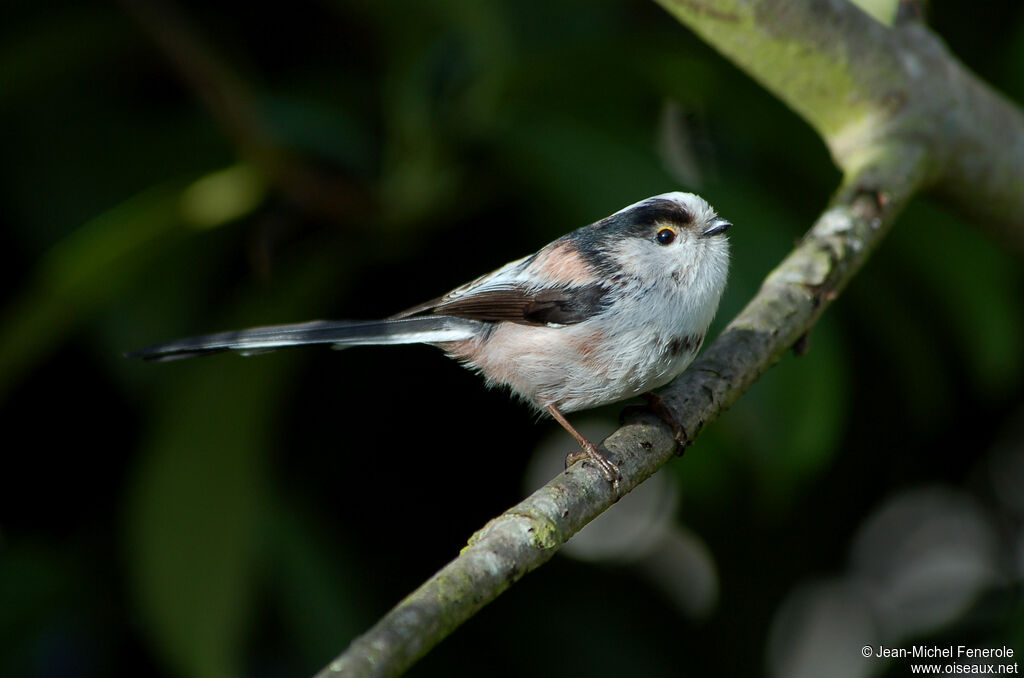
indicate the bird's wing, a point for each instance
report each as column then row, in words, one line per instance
column 502, row 277
column 527, row 305
column 552, row 287
column 518, row 302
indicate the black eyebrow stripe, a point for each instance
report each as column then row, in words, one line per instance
column 640, row 219
column 657, row 211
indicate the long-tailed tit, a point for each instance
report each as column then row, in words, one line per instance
column 607, row 312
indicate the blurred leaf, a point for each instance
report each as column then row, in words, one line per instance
column 908, row 361
column 584, row 168
column 194, row 509
column 419, row 172
column 60, row 47
column 317, row 583
column 95, row 262
column 1013, row 65
column 222, row 196
column 786, row 428
column 195, row 512
column 974, row 289
column 319, row 131
column 79, row 273
column 32, row 585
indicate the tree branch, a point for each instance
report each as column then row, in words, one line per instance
column 862, row 85
column 900, row 115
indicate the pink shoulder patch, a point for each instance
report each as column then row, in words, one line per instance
column 562, row 263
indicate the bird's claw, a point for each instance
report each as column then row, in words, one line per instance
column 605, row 465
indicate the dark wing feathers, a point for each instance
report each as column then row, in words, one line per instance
column 567, row 306
column 521, row 304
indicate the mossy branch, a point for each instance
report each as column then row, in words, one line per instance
column 900, row 115
column 864, row 85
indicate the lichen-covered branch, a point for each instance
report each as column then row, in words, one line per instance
column 900, row 115
column 862, row 85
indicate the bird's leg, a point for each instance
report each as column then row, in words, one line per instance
column 656, row 406
column 608, row 469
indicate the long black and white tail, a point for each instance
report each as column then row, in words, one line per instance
column 339, row 333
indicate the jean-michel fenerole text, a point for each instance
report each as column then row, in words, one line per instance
column 948, row 652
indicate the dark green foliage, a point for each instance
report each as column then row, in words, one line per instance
column 228, row 517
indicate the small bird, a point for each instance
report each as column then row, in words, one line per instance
column 604, row 313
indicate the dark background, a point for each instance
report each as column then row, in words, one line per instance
column 179, row 169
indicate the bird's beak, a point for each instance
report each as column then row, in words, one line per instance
column 719, row 225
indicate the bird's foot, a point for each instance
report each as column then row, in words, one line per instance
column 589, row 452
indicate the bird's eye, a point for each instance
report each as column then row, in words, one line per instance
column 666, row 236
